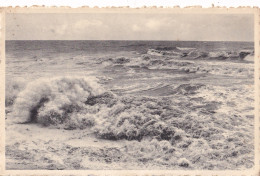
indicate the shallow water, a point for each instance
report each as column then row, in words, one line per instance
column 186, row 93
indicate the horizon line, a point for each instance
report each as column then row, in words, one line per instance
column 134, row 40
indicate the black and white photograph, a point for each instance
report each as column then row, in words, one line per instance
column 130, row 90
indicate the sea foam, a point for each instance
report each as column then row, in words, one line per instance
column 76, row 102
column 56, row 97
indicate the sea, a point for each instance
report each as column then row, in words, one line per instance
column 183, row 92
column 138, row 62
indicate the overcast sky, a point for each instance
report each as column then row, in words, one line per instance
column 112, row 26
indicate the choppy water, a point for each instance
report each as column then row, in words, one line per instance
column 137, row 89
column 140, row 64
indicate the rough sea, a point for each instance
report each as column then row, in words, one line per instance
column 186, row 95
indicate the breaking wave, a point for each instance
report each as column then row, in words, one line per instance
column 151, row 62
column 52, row 101
column 79, row 103
column 193, row 53
column 70, row 103
column 188, row 113
column 186, row 60
column 188, row 118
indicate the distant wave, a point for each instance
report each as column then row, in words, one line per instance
column 166, row 48
column 163, row 52
column 185, row 49
column 148, row 62
column 133, row 45
column 193, row 53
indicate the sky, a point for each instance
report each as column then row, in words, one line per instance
column 130, row 26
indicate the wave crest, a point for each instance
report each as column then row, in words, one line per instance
column 70, row 103
column 52, row 101
column 193, row 53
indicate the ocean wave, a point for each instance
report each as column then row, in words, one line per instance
column 189, row 66
column 207, row 118
column 170, row 90
column 53, row 100
column 163, row 52
column 184, row 49
column 148, row 62
column 12, row 89
column 79, row 103
column 193, row 53
column 109, row 61
column 73, row 102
